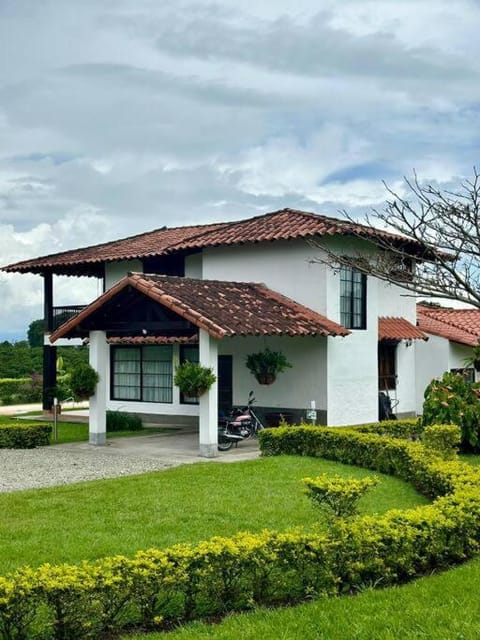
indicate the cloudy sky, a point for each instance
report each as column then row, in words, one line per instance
column 120, row 116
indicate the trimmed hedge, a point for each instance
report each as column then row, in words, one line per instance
column 158, row 587
column 25, row 435
column 405, row 429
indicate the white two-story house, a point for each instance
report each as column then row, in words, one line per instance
column 216, row 293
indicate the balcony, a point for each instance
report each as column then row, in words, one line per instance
column 62, row 314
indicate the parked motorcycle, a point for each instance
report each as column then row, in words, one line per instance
column 240, row 425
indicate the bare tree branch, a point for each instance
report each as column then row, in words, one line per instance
column 434, row 246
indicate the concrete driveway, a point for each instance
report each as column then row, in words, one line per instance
column 178, row 447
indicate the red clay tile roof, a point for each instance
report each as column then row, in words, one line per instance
column 220, row 308
column 457, row 325
column 285, row 224
column 398, row 329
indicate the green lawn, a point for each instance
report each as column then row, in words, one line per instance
column 78, row 431
column 188, row 503
column 442, row 607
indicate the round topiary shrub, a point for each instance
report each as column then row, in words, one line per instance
column 83, row 381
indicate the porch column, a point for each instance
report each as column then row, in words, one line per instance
column 98, row 356
column 208, row 355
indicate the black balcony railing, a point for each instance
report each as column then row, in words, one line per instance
column 62, row 314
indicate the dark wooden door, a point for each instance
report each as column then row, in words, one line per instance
column 225, row 384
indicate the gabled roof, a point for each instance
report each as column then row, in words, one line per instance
column 457, row 325
column 285, row 224
column 398, row 329
column 222, row 309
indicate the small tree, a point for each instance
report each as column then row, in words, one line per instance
column 338, row 496
column 453, row 400
column 35, row 333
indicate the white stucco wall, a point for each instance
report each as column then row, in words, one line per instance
column 295, row 387
column 352, row 362
column 396, row 302
column 283, row 266
column 115, row 271
column 457, row 354
column 432, row 359
column 193, row 266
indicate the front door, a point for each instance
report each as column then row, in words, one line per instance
column 225, row 384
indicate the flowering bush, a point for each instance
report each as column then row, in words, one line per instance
column 452, row 400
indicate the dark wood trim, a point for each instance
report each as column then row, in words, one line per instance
column 48, row 300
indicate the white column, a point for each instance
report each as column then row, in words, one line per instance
column 98, row 355
column 209, row 400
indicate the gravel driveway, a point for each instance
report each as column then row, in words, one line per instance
column 79, row 461
column 50, row 466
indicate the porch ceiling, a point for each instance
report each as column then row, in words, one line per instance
column 222, row 309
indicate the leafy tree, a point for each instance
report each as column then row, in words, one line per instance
column 35, row 333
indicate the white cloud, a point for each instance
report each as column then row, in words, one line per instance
column 118, row 117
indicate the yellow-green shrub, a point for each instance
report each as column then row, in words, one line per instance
column 183, row 582
column 338, row 495
column 444, row 439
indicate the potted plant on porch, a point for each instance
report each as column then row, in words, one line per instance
column 83, row 381
column 193, row 379
column 266, row 364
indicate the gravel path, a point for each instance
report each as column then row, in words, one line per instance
column 48, row 467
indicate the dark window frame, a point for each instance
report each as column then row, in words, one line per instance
column 353, row 298
column 142, row 386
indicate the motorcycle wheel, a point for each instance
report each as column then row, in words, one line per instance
column 224, row 444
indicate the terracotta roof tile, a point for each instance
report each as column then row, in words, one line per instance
column 457, row 325
column 220, row 308
column 285, row 224
column 398, row 329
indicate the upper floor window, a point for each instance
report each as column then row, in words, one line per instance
column 353, row 299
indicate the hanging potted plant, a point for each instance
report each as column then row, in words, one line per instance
column 83, row 381
column 266, row 364
column 193, row 379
